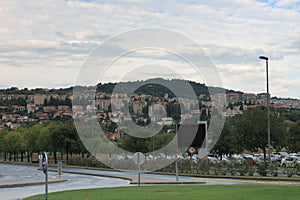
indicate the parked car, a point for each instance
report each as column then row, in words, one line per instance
column 290, row 161
column 283, row 154
column 212, row 158
column 294, row 154
column 259, row 160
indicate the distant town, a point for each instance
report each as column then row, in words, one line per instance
column 19, row 107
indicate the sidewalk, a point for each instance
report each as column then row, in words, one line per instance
column 144, row 180
column 27, row 183
column 134, row 179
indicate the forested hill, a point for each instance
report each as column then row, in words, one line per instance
column 147, row 87
column 160, row 87
column 26, row 91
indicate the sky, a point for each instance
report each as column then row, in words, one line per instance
column 46, row 43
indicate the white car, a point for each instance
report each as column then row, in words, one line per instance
column 290, row 161
column 212, row 158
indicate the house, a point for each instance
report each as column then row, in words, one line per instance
column 42, row 115
column 232, row 98
column 262, row 98
column 113, row 136
column 3, row 109
column 49, row 109
column 68, row 113
column 17, row 108
column 31, row 108
column 8, row 117
column 249, row 98
column 63, row 107
column 39, row 99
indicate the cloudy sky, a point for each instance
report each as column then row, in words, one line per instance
column 45, row 43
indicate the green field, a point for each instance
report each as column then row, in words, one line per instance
column 172, row 192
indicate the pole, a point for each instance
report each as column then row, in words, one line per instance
column 176, row 162
column 268, row 105
column 139, row 174
column 268, row 110
column 59, row 169
column 46, row 185
column 176, row 169
column 45, row 171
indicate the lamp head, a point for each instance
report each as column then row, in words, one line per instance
column 263, row 58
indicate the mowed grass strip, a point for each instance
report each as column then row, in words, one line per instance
column 172, row 192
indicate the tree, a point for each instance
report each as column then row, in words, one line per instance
column 65, row 139
column 134, row 144
column 161, row 140
column 23, row 142
column 252, row 129
column 228, row 142
column 14, row 141
column 31, row 137
column 293, row 144
column 44, row 139
column 3, row 144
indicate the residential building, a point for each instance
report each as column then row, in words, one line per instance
column 262, row 98
column 249, row 98
column 39, row 99
column 232, row 98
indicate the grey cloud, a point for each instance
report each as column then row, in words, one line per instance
column 232, row 32
column 239, row 55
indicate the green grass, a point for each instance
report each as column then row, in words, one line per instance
column 172, row 192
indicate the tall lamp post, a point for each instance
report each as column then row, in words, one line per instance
column 268, row 104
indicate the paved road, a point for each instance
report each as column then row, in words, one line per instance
column 92, row 179
column 11, row 173
column 161, row 178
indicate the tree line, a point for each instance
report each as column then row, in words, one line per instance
column 248, row 132
column 243, row 132
column 50, row 136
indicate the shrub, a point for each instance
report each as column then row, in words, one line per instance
column 262, row 169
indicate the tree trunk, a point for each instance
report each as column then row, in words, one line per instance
column 5, row 155
column 28, row 156
column 221, row 156
column 67, row 152
column 22, row 156
column 265, row 155
column 55, row 157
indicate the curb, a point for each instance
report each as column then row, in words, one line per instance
column 28, row 183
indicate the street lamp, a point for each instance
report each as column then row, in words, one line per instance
column 268, row 104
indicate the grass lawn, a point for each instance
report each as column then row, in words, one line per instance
column 172, row 192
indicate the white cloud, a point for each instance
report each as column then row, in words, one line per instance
column 287, row 3
column 59, row 35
